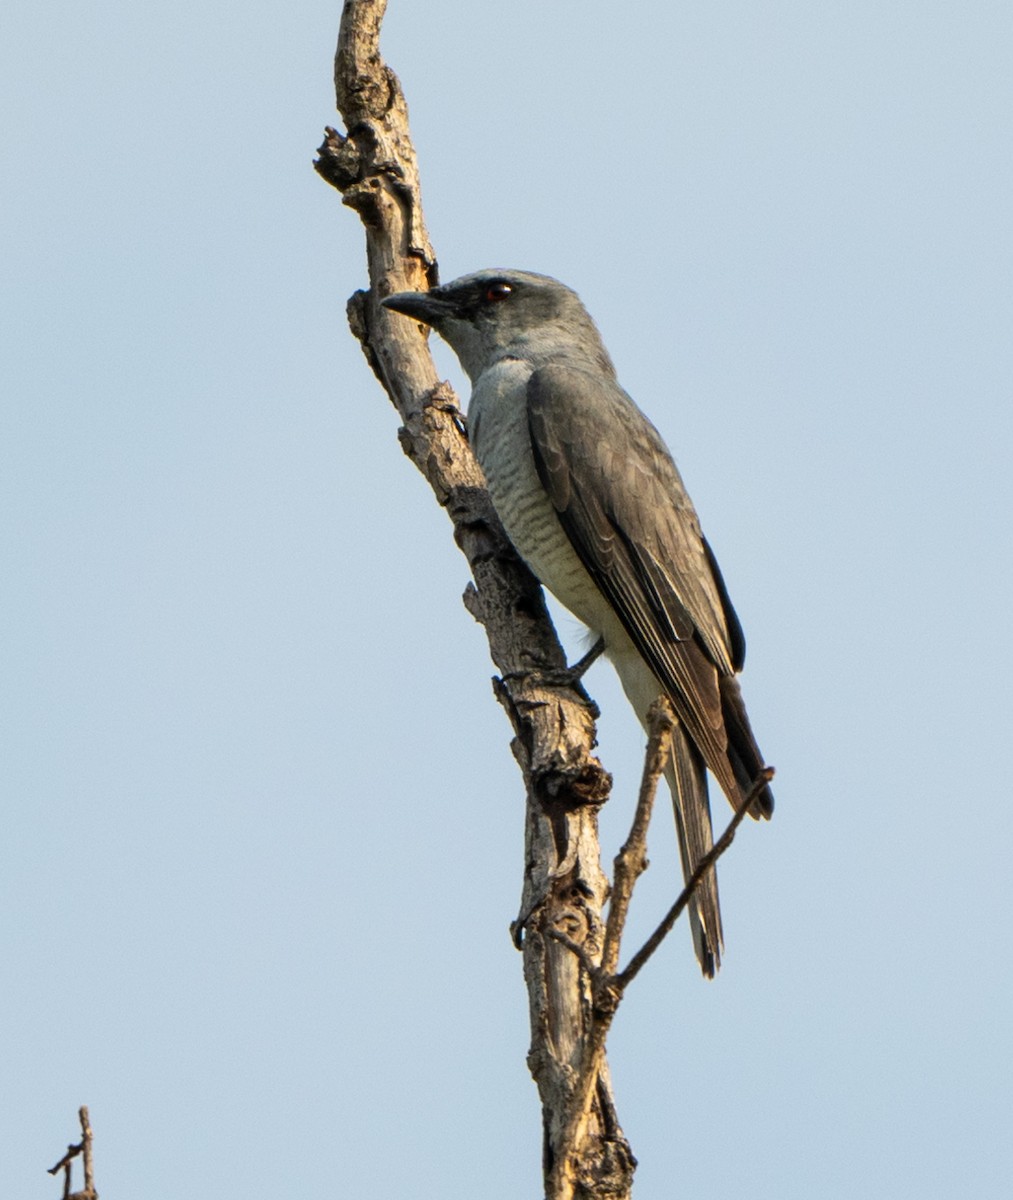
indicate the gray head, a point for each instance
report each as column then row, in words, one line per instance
column 498, row 314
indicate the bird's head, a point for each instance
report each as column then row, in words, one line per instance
column 496, row 314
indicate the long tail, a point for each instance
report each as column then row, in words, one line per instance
column 687, row 778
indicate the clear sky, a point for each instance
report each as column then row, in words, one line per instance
column 262, row 831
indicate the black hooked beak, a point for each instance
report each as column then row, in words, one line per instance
column 428, row 307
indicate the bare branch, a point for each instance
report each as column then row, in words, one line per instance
column 82, row 1148
column 373, row 164
column 631, row 861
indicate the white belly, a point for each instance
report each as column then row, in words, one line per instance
column 502, row 443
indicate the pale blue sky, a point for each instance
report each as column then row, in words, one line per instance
column 262, row 831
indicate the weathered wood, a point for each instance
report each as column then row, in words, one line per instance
column 373, row 164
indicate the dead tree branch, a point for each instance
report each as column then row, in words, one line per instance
column 631, row 861
column 374, row 166
column 82, row 1148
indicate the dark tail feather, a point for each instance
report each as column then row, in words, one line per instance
column 687, row 778
column 743, row 752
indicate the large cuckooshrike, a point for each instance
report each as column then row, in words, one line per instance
column 593, row 502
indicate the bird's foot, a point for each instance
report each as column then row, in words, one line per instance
column 581, row 666
column 572, row 676
column 569, row 677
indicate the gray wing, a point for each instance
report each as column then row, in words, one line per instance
column 623, row 506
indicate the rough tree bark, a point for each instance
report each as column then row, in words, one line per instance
column 374, row 166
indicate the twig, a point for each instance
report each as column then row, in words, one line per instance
column 626, row 977
column 84, row 1149
column 582, row 956
column 631, row 861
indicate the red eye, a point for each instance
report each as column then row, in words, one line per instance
column 497, row 291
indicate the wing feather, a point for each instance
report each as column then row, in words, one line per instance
column 623, row 506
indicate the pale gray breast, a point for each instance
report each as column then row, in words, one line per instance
column 497, row 417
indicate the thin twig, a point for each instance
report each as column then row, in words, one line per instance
column 626, row 977
column 83, row 1148
column 72, row 1153
column 577, row 950
column 631, row 861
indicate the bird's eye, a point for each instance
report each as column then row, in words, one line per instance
column 496, row 292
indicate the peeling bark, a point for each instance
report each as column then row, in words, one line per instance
column 373, row 165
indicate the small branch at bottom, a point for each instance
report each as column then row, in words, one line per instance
column 631, row 861
column 84, row 1149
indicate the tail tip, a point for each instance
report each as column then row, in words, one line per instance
column 762, row 807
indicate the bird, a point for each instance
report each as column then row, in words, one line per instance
column 591, row 498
